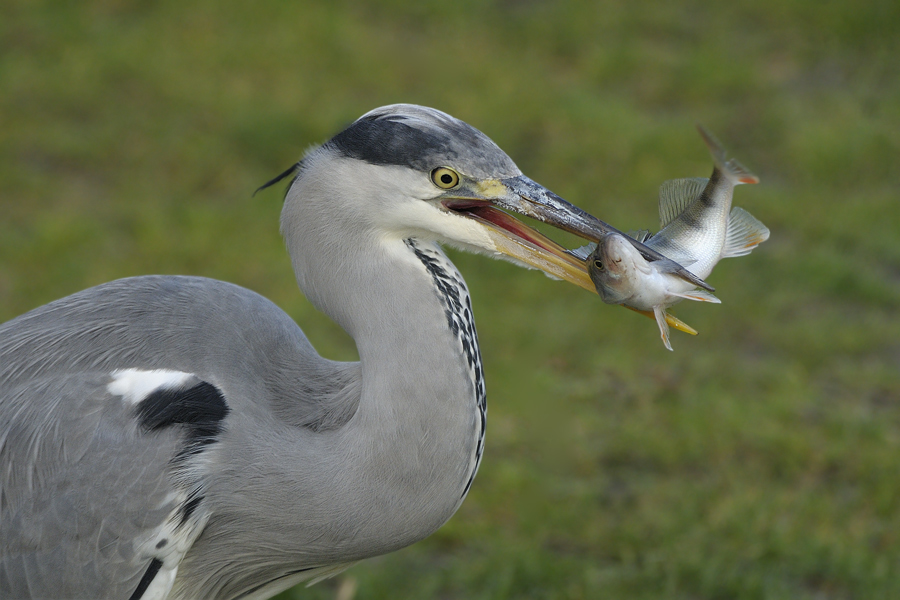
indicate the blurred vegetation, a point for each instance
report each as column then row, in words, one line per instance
column 759, row 460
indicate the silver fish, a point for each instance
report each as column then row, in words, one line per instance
column 698, row 229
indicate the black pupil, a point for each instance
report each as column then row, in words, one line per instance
column 598, row 265
column 446, row 178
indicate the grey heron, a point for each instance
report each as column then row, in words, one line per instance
column 178, row 437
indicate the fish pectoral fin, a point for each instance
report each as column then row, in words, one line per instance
column 659, row 312
column 697, row 295
column 641, row 235
column 668, row 265
column 675, row 195
column 583, row 252
column 745, row 232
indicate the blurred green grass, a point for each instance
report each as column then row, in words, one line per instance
column 759, row 460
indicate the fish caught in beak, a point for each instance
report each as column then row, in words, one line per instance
column 496, row 199
column 699, row 226
column 534, row 200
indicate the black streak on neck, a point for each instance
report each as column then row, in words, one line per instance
column 147, row 579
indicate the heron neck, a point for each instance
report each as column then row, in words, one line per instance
column 420, row 422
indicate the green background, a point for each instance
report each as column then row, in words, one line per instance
column 761, row 459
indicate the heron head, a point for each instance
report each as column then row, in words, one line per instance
column 409, row 171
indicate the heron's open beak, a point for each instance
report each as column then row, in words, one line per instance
column 533, row 200
column 527, row 245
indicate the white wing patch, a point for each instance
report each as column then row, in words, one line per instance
column 163, row 548
column 133, row 385
column 169, row 542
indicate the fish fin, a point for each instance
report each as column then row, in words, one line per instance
column 675, row 195
column 698, row 295
column 667, row 265
column 745, row 232
column 583, row 252
column 671, row 319
column 660, row 312
column 731, row 168
column 641, row 235
column 679, row 324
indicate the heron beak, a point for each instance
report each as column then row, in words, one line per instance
column 525, row 244
column 526, row 197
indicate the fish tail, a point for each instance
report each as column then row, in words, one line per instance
column 731, row 168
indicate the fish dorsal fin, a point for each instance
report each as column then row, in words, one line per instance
column 745, row 232
column 641, row 235
column 676, row 195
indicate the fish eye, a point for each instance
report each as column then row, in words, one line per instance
column 598, row 265
column 445, row 178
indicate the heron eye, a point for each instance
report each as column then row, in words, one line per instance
column 598, row 265
column 445, row 178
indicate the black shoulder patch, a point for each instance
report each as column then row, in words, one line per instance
column 200, row 409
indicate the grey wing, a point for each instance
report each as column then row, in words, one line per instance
column 86, row 497
column 221, row 332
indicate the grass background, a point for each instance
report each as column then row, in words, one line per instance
column 759, row 460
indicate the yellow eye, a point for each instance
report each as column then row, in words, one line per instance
column 445, row 178
column 598, row 264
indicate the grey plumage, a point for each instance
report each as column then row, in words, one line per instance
column 179, row 437
column 80, row 479
column 422, row 139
